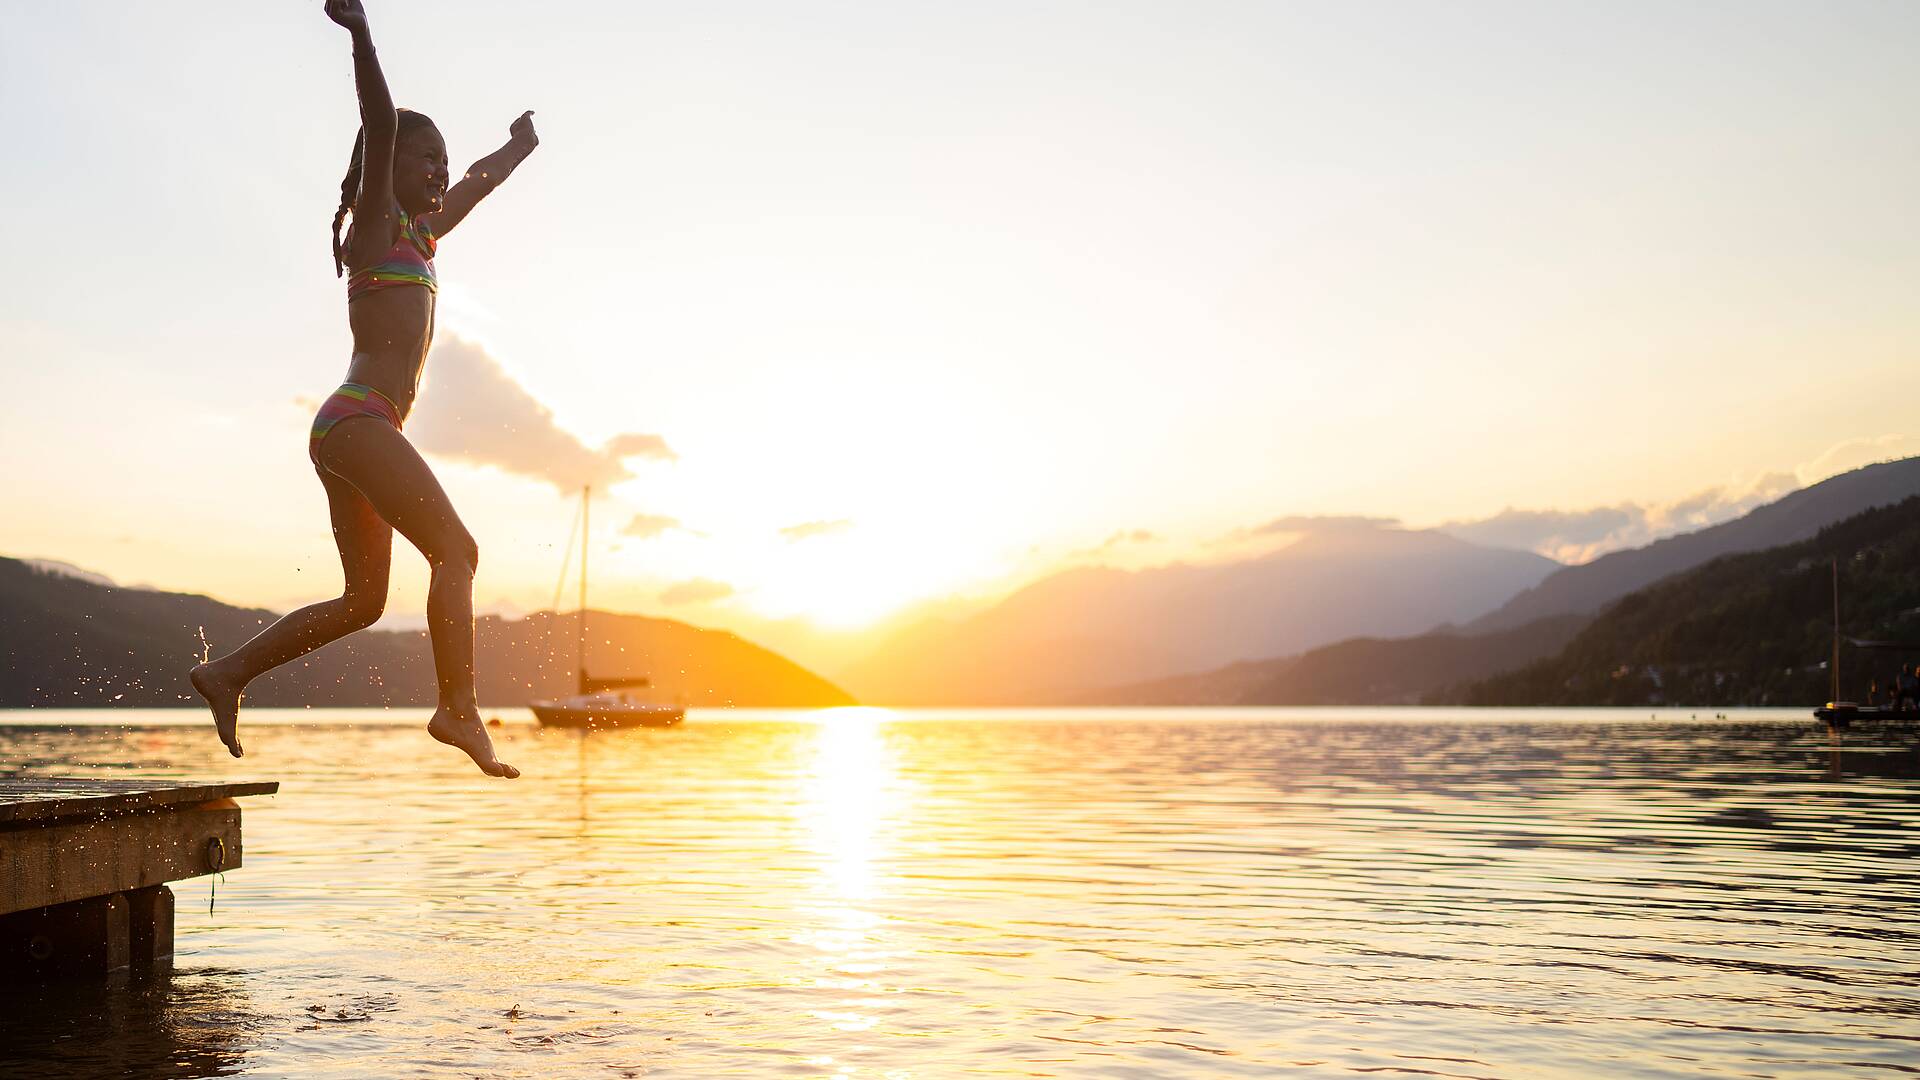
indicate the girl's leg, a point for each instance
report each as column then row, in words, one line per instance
column 366, row 548
column 385, row 467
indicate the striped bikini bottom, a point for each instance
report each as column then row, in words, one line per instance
column 352, row 399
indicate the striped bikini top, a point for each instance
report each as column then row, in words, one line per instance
column 408, row 262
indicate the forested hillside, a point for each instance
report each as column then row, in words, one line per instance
column 1753, row 629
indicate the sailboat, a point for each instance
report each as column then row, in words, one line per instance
column 608, row 702
column 1839, row 715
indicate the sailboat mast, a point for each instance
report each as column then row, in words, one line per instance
column 1836, row 630
column 586, row 505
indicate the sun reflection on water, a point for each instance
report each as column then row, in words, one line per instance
column 850, row 797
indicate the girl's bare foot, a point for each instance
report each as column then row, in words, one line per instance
column 462, row 727
column 222, row 692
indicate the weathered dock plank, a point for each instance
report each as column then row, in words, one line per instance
column 33, row 799
column 72, row 860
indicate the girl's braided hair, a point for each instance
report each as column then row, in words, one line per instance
column 405, row 120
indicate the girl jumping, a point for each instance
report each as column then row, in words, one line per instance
column 396, row 190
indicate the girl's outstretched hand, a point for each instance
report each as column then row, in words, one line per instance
column 348, row 13
column 521, row 130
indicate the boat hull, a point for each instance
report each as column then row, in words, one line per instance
column 1840, row 714
column 557, row 714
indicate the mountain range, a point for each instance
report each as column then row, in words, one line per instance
column 1585, row 589
column 1351, row 611
column 76, row 640
column 1357, row 671
column 1370, row 665
column 1072, row 633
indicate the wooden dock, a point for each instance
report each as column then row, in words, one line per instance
column 84, row 866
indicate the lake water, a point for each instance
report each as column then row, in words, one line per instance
column 869, row 894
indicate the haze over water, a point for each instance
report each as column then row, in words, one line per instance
column 866, row 893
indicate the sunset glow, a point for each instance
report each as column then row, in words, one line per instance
column 885, row 541
column 1161, row 280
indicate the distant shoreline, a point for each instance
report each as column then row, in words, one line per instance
column 168, row 716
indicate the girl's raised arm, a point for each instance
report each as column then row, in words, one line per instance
column 378, row 126
column 485, row 175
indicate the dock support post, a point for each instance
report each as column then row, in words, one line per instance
column 88, row 937
column 150, row 924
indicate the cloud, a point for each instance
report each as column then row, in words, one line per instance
column 1853, row 454
column 695, row 591
column 1320, row 523
column 1578, row 536
column 645, row 526
column 1297, row 525
column 1551, row 532
column 808, row 529
column 632, row 445
column 474, row 411
column 1119, row 539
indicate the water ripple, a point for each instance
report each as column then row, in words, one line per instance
column 861, row 894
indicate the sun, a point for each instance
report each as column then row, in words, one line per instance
column 844, row 582
column 840, row 589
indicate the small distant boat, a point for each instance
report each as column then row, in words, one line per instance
column 606, row 709
column 1840, row 715
column 602, row 703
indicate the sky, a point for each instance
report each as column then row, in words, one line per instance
column 852, row 311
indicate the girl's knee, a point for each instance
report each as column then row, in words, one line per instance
column 363, row 609
column 461, row 553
